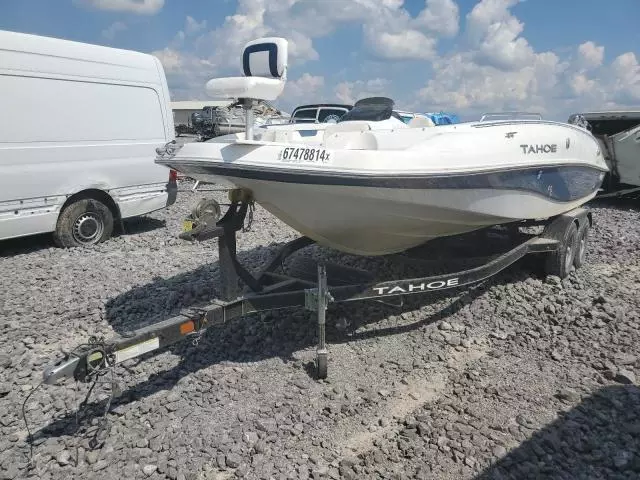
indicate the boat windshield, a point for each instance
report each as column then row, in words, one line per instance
column 373, row 109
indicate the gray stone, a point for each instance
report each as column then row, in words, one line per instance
column 444, row 325
column 64, row 457
column 568, row 395
column 91, row 457
column 625, row 376
column 250, row 438
column 100, row 465
column 233, row 460
column 499, row 451
column 149, row 470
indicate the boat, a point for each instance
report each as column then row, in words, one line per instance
column 372, row 184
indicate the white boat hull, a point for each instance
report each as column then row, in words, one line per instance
column 380, row 221
column 386, row 191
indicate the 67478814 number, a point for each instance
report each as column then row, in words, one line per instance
column 305, row 155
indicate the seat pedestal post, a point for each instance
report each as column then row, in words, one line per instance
column 247, row 105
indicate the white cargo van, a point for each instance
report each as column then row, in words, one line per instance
column 79, row 125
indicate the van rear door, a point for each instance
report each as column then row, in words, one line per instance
column 626, row 151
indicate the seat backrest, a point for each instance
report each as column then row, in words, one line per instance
column 266, row 57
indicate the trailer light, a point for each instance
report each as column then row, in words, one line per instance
column 187, row 327
column 173, row 175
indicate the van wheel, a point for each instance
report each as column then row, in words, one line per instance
column 85, row 222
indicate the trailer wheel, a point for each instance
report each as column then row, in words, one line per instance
column 84, row 222
column 581, row 244
column 560, row 261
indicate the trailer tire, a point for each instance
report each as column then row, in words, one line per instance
column 560, row 261
column 84, row 222
column 581, row 244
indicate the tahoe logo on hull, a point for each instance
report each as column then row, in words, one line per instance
column 546, row 148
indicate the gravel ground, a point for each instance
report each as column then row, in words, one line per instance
column 521, row 377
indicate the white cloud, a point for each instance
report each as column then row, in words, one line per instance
column 492, row 67
column 497, row 69
column 351, row 92
column 192, row 26
column 405, row 45
column 142, row 7
column 171, row 59
column 581, row 85
column 307, row 86
column 591, row 55
column 110, row 32
column 389, row 30
column 440, row 16
column 625, row 79
column 494, row 35
column 461, row 83
column 186, row 74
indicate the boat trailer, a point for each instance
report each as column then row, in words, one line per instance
column 562, row 241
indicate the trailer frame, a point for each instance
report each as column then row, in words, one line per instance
column 563, row 241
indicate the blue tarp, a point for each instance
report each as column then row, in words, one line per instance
column 442, row 118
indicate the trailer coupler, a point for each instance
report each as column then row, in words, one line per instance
column 97, row 356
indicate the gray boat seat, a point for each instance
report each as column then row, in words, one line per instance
column 264, row 64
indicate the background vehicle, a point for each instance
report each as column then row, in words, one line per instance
column 319, row 113
column 329, row 112
column 79, row 128
column 618, row 133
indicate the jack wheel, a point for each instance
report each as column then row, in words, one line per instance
column 206, row 207
column 321, row 365
column 560, row 262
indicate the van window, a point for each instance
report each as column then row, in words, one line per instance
column 53, row 110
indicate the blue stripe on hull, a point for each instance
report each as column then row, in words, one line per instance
column 558, row 183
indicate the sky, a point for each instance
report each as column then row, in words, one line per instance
column 468, row 57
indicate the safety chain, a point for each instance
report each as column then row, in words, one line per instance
column 201, row 328
column 197, row 338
